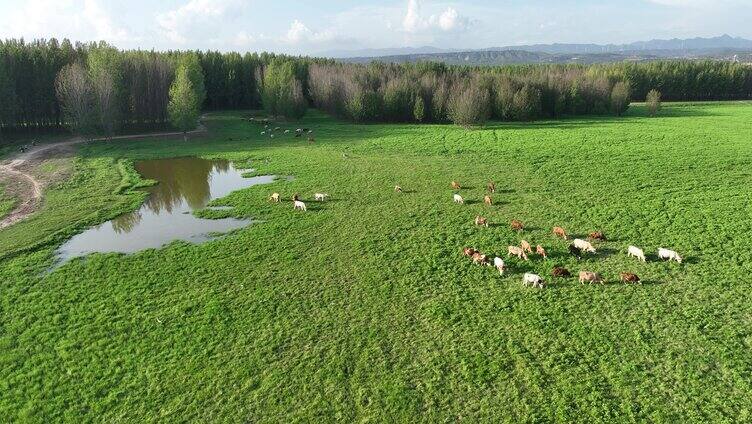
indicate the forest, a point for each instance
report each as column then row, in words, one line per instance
column 96, row 88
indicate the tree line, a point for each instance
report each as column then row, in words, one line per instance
column 96, row 88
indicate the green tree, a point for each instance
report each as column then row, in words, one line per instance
column 653, row 102
column 620, row 97
column 184, row 105
column 282, row 92
column 192, row 65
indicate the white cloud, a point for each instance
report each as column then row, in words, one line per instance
column 195, row 19
column 300, row 33
column 85, row 20
column 448, row 20
column 102, row 23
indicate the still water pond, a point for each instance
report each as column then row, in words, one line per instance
column 185, row 185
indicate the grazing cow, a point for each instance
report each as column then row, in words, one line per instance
column 468, row 251
column 516, row 251
column 583, row 245
column 526, row 246
column 541, row 251
column 458, row 199
column 591, row 277
column 574, row 251
column 628, row 277
column 491, row 186
column 455, row 185
column 320, row 196
column 517, row 225
column 487, row 200
column 287, row 131
column 397, row 189
column 274, row 198
column 277, row 128
column 669, row 254
column 534, row 280
column 298, row 205
column 636, row 252
column 481, row 222
column 559, row 232
column 272, row 136
column 560, row 272
column 499, row 264
column 597, row 235
column 263, row 132
column 480, row 259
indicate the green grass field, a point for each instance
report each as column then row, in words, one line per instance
column 364, row 310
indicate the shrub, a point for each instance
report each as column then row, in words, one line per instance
column 527, row 103
column 470, row 105
column 653, row 102
column 620, row 98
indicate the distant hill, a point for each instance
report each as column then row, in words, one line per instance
column 724, row 47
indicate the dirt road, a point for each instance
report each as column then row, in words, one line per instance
column 23, row 186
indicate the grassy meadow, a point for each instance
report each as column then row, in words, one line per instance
column 363, row 309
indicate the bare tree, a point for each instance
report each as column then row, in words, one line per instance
column 106, row 102
column 73, row 90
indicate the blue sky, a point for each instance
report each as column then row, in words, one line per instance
column 314, row 26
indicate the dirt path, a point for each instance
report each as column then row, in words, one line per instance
column 27, row 189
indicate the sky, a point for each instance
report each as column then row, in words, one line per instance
column 320, row 26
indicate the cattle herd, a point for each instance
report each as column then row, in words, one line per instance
column 577, row 248
column 271, row 132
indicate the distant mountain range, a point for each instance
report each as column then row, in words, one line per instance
column 724, row 47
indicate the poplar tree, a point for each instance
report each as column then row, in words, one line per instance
column 184, row 102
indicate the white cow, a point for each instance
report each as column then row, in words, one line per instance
column 499, row 264
column 320, row 196
column 583, row 245
column 534, row 280
column 300, row 206
column 274, row 198
column 458, row 199
column 636, row 252
column 669, row 254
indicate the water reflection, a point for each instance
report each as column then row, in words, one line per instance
column 185, row 185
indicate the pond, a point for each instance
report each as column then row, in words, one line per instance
column 185, row 185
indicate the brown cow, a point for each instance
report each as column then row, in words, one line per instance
column 597, row 235
column 456, row 185
column 516, row 251
column 591, row 277
column 480, row 221
column 541, row 251
column 487, row 200
column 559, row 232
column 480, row 259
column 628, row 277
column 517, row 225
column 491, row 187
column 468, row 251
column 526, row 246
column 560, row 272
